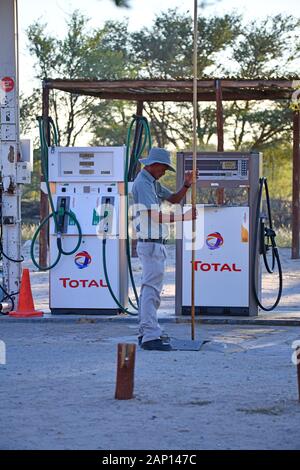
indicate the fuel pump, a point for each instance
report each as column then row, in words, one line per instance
column 230, row 237
column 88, row 183
column 73, row 177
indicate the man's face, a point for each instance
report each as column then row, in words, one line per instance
column 158, row 170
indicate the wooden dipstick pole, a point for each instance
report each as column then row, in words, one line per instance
column 125, row 371
column 195, row 104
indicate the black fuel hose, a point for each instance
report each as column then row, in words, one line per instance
column 107, row 280
column 134, row 150
column 269, row 234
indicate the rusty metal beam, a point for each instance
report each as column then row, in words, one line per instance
column 296, row 186
column 44, row 208
column 220, row 119
column 220, row 131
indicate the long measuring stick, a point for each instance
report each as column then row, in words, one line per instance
column 195, row 103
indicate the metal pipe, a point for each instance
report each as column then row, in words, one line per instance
column 296, row 186
column 220, row 120
column 10, row 156
column 220, row 131
column 44, row 207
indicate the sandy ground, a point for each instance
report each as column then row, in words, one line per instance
column 57, row 389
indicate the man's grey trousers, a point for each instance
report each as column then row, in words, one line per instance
column 152, row 256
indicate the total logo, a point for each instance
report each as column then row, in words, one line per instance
column 85, row 283
column 82, row 259
column 214, row 240
column 218, row 267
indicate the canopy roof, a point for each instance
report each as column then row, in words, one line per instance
column 177, row 90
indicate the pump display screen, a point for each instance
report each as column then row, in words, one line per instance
column 86, row 163
column 230, row 165
column 210, row 168
column 211, row 164
column 86, row 155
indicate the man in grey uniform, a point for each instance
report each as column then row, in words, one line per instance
column 152, row 232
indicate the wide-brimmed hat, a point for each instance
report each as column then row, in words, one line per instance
column 158, row 155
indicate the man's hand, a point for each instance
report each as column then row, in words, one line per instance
column 188, row 178
column 190, row 215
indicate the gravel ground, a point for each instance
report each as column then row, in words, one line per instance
column 57, row 389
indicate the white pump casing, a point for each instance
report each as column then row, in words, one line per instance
column 77, row 282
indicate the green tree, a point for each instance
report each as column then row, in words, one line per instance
column 264, row 49
column 83, row 53
column 165, row 51
column 110, row 122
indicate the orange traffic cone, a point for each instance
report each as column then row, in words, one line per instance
column 25, row 306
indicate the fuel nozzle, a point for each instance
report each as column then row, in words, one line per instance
column 267, row 236
column 105, row 212
column 63, row 205
column 270, row 234
column 262, row 245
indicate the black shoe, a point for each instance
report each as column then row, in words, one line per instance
column 156, row 345
column 164, row 337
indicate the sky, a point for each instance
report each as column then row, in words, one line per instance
column 141, row 13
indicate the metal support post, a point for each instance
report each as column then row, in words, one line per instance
column 44, row 208
column 220, row 131
column 10, row 146
column 296, row 186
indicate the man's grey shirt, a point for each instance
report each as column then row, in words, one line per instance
column 149, row 194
